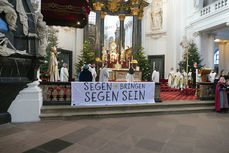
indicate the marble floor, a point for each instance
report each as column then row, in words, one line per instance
column 177, row 133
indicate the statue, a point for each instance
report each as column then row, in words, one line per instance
column 196, row 3
column 42, row 32
column 104, row 54
column 122, row 57
column 128, row 54
column 10, row 14
column 112, row 46
column 184, row 44
column 157, row 15
column 53, row 66
column 23, row 17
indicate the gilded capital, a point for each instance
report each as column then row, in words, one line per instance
column 140, row 16
column 122, row 17
column 135, row 2
column 98, row 6
column 103, row 14
column 135, row 11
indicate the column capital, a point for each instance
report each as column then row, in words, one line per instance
column 98, row 6
column 135, row 10
column 103, row 14
column 134, row 2
column 140, row 15
column 122, row 17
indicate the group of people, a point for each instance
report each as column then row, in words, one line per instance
column 88, row 73
column 178, row 79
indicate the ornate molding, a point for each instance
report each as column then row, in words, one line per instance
column 135, row 11
column 98, row 6
column 122, row 17
column 103, row 14
column 140, row 16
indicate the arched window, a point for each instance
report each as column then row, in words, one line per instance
column 216, row 56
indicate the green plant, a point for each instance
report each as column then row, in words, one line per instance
column 193, row 56
column 144, row 65
column 87, row 55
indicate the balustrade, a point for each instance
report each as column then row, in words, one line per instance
column 56, row 92
column 218, row 5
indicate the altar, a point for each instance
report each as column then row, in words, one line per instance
column 119, row 75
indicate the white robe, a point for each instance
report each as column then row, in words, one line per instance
column 178, row 80
column 130, row 77
column 53, row 68
column 155, row 76
column 104, row 74
column 184, row 78
column 64, row 74
column 93, row 73
column 171, row 79
column 212, row 76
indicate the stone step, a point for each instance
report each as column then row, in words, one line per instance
column 118, row 112
column 67, row 109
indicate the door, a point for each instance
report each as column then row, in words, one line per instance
column 157, row 61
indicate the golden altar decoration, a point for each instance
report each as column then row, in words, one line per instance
column 120, row 75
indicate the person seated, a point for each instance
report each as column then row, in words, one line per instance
column 85, row 75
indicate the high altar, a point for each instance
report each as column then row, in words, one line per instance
column 119, row 58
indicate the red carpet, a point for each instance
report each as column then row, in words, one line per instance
column 175, row 96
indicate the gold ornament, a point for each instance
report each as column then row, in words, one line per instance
column 122, row 17
column 98, row 6
column 113, row 5
column 135, row 11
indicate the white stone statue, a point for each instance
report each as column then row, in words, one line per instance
column 104, row 54
column 10, row 14
column 157, row 15
column 42, row 32
column 196, row 4
column 23, row 17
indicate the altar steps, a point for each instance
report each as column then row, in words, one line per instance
column 68, row 112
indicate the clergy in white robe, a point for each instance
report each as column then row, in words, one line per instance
column 184, row 77
column 104, row 74
column 155, row 76
column 93, row 72
column 171, row 78
column 178, row 80
column 64, row 73
column 53, row 66
column 130, row 75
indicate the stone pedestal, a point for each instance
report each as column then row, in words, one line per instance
column 26, row 107
column 206, row 91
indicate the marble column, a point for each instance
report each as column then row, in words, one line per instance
column 102, row 32
column 135, row 11
column 122, row 31
column 140, row 15
column 98, row 7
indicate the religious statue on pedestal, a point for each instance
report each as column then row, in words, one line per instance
column 112, row 46
column 104, row 54
column 53, row 66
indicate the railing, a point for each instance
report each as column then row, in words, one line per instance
column 56, row 93
column 218, row 5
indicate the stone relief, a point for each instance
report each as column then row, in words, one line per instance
column 10, row 14
column 23, row 17
column 157, row 14
column 42, row 32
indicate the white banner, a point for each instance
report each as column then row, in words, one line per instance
column 112, row 93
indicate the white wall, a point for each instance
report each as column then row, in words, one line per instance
column 71, row 39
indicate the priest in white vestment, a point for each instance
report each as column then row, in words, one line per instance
column 155, row 75
column 184, row 77
column 53, row 66
column 104, row 74
column 93, row 72
column 171, row 78
column 178, row 80
column 64, row 73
